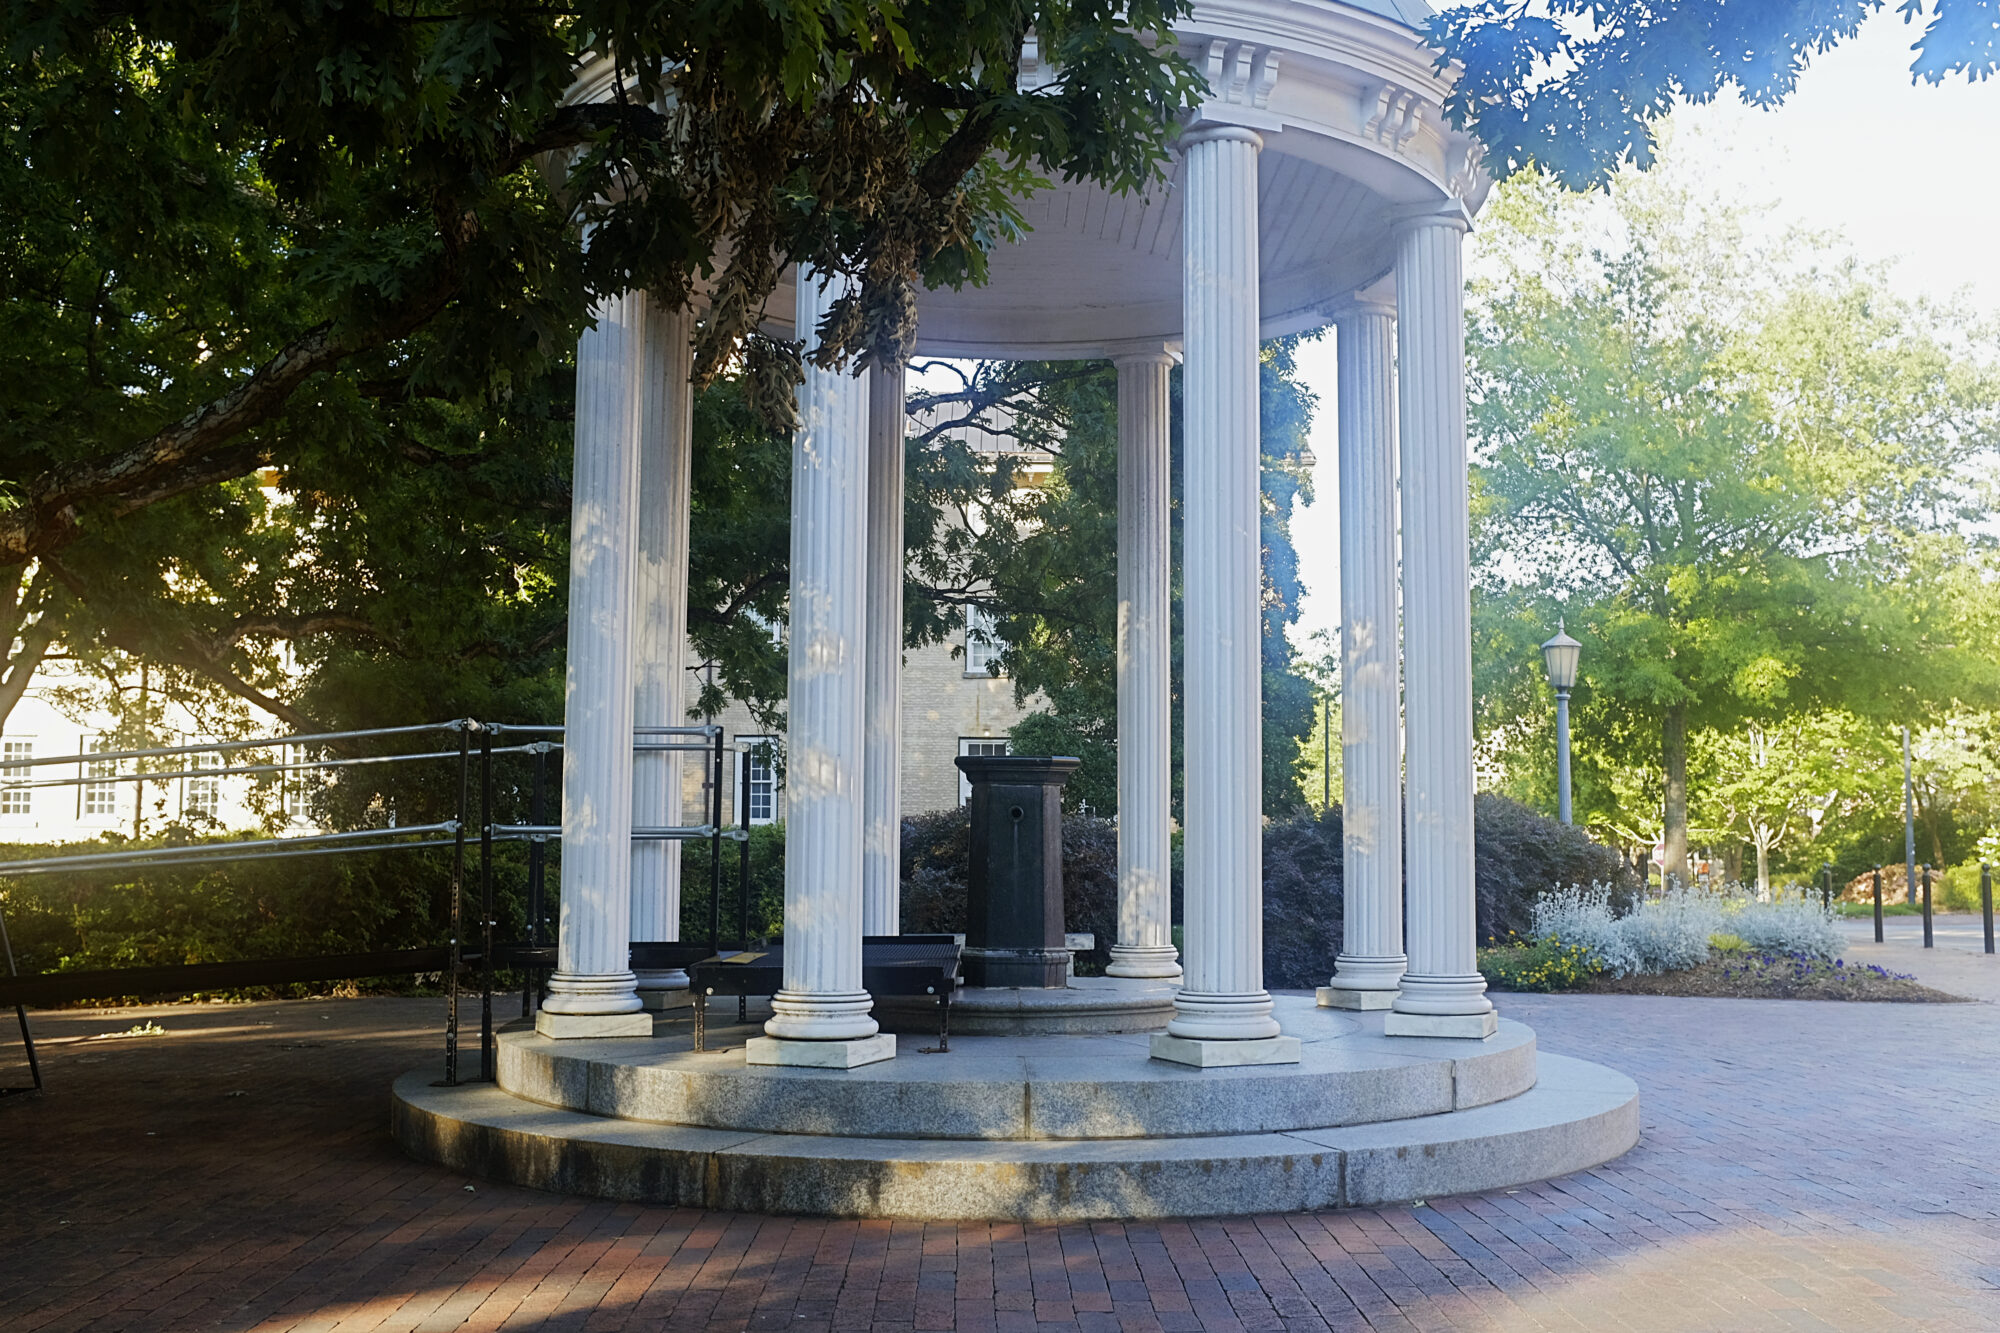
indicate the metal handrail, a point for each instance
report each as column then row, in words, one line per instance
column 242, row 770
column 113, row 756
column 210, row 851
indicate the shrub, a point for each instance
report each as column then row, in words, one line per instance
column 1784, row 926
column 1545, row 965
column 936, row 851
column 767, row 887
column 1671, row 932
column 165, row 916
column 1302, row 899
column 1518, row 855
column 1958, row 890
column 1582, row 918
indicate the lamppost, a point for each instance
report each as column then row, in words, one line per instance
column 1559, row 655
column 1909, row 825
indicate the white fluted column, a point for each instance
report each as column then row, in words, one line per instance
column 591, row 993
column 821, row 1017
column 1442, row 994
column 1371, row 961
column 660, row 634
column 1222, row 1014
column 1145, row 946
column 882, row 801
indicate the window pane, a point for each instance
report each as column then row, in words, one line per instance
column 100, row 798
column 983, row 645
column 762, row 771
column 16, row 800
column 977, row 745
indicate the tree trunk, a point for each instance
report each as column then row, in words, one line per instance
column 1674, row 758
column 1764, row 869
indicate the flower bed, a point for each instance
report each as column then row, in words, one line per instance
column 1786, row 976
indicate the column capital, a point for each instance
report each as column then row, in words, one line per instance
column 1450, row 213
column 1356, row 306
column 1161, row 355
column 1213, row 131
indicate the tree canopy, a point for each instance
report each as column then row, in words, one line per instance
column 1751, row 479
column 1043, row 556
column 346, row 250
column 1577, row 87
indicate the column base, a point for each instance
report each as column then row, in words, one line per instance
column 1210, row 1053
column 564, row 1026
column 1476, row 1027
column 1146, row 962
column 1333, row 997
column 820, row 1054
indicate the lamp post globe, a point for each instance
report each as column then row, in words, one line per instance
column 1559, row 655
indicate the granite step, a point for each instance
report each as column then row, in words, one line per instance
column 1576, row 1116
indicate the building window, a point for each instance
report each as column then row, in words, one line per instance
column 976, row 745
column 100, row 798
column 14, row 799
column 983, row 644
column 297, row 786
column 203, row 796
column 763, row 775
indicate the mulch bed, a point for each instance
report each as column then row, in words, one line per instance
column 1775, row 977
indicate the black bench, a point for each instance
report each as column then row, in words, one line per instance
column 890, row 965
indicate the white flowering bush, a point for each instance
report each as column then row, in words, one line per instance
column 1582, row 917
column 1671, row 932
column 1786, row 925
column 1663, row 934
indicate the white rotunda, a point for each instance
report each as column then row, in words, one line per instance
column 1320, row 183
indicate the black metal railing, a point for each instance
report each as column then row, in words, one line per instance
column 535, row 955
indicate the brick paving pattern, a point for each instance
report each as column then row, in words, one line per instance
column 1803, row 1166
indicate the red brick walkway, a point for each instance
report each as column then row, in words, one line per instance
column 1803, row 1166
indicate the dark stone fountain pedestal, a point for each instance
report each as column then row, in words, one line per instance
column 1014, row 888
column 1015, row 966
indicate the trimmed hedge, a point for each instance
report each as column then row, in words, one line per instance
column 1517, row 856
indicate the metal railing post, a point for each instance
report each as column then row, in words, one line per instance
column 486, row 912
column 28, row 1037
column 743, row 869
column 538, row 855
column 1986, row 902
column 1927, row 906
column 715, row 846
column 1878, row 904
column 457, row 908
column 743, row 860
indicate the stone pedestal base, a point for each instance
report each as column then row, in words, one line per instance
column 657, row 1000
column 820, row 1054
column 638, row 1024
column 1333, row 997
column 1208, row 1053
column 1476, row 1027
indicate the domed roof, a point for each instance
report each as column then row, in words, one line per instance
column 1416, row 13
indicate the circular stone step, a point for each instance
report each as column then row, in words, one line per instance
column 1024, row 1088
column 1577, row 1116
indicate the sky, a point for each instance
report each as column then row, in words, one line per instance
column 1905, row 174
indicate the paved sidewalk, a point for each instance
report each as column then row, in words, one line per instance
column 1956, row 963
column 1804, row 1165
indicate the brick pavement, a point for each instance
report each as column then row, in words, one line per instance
column 1804, row 1165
